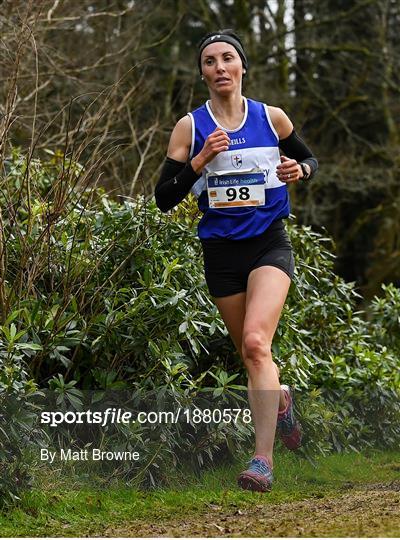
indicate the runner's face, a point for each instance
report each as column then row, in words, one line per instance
column 222, row 67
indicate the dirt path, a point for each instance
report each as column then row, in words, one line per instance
column 364, row 511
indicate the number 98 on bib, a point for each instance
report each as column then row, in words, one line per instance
column 233, row 190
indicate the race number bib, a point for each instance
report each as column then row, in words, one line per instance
column 236, row 189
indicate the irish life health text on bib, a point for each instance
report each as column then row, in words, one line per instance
column 242, row 189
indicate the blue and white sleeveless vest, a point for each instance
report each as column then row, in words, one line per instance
column 251, row 161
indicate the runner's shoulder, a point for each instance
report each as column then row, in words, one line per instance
column 181, row 139
column 276, row 114
column 183, row 129
column 281, row 121
column 184, row 124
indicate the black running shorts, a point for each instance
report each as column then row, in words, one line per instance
column 228, row 263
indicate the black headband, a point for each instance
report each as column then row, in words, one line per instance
column 227, row 39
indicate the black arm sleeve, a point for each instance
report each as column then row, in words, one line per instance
column 294, row 147
column 175, row 181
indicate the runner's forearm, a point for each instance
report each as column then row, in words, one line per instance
column 294, row 147
column 176, row 180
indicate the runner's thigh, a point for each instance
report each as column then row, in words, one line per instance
column 267, row 290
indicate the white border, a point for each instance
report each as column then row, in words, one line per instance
column 271, row 125
column 192, row 143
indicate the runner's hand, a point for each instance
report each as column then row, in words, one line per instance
column 289, row 170
column 216, row 142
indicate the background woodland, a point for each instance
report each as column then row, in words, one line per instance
column 104, row 81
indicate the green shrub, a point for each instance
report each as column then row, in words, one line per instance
column 111, row 297
column 18, row 418
column 384, row 314
column 331, row 353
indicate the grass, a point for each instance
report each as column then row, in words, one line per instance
column 62, row 505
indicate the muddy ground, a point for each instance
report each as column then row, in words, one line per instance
column 361, row 511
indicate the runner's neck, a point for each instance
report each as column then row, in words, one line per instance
column 228, row 113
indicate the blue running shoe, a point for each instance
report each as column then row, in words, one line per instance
column 288, row 427
column 258, row 477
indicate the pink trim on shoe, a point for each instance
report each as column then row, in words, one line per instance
column 258, row 476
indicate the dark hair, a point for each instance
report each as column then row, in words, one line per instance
column 226, row 35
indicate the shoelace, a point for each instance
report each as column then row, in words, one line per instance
column 259, row 466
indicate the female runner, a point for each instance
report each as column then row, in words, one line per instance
column 227, row 152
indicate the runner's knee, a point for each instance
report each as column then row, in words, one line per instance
column 256, row 348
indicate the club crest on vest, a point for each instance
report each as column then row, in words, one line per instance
column 237, row 160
